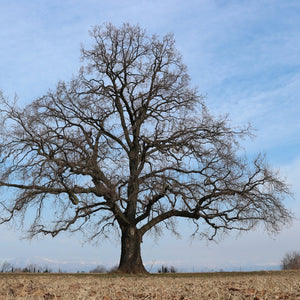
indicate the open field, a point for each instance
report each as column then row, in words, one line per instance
column 248, row 285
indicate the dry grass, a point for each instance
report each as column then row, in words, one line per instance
column 255, row 286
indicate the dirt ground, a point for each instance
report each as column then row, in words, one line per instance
column 255, row 286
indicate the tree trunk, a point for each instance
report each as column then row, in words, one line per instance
column 131, row 260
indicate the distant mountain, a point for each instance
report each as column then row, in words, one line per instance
column 74, row 266
column 248, row 268
column 71, row 266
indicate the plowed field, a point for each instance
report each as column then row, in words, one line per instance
column 255, row 286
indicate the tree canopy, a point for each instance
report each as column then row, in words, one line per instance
column 129, row 143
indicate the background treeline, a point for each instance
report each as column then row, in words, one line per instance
column 290, row 261
column 7, row 267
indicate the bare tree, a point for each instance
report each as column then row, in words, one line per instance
column 128, row 143
column 6, row 267
column 99, row 269
column 291, row 261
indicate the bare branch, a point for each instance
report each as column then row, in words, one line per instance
column 129, row 143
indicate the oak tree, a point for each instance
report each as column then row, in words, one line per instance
column 129, row 143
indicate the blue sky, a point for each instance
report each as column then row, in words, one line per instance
column 244, row 55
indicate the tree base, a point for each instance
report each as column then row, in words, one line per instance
column 131, row 270
column 131, row 260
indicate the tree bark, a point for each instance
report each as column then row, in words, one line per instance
column 131, row 260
